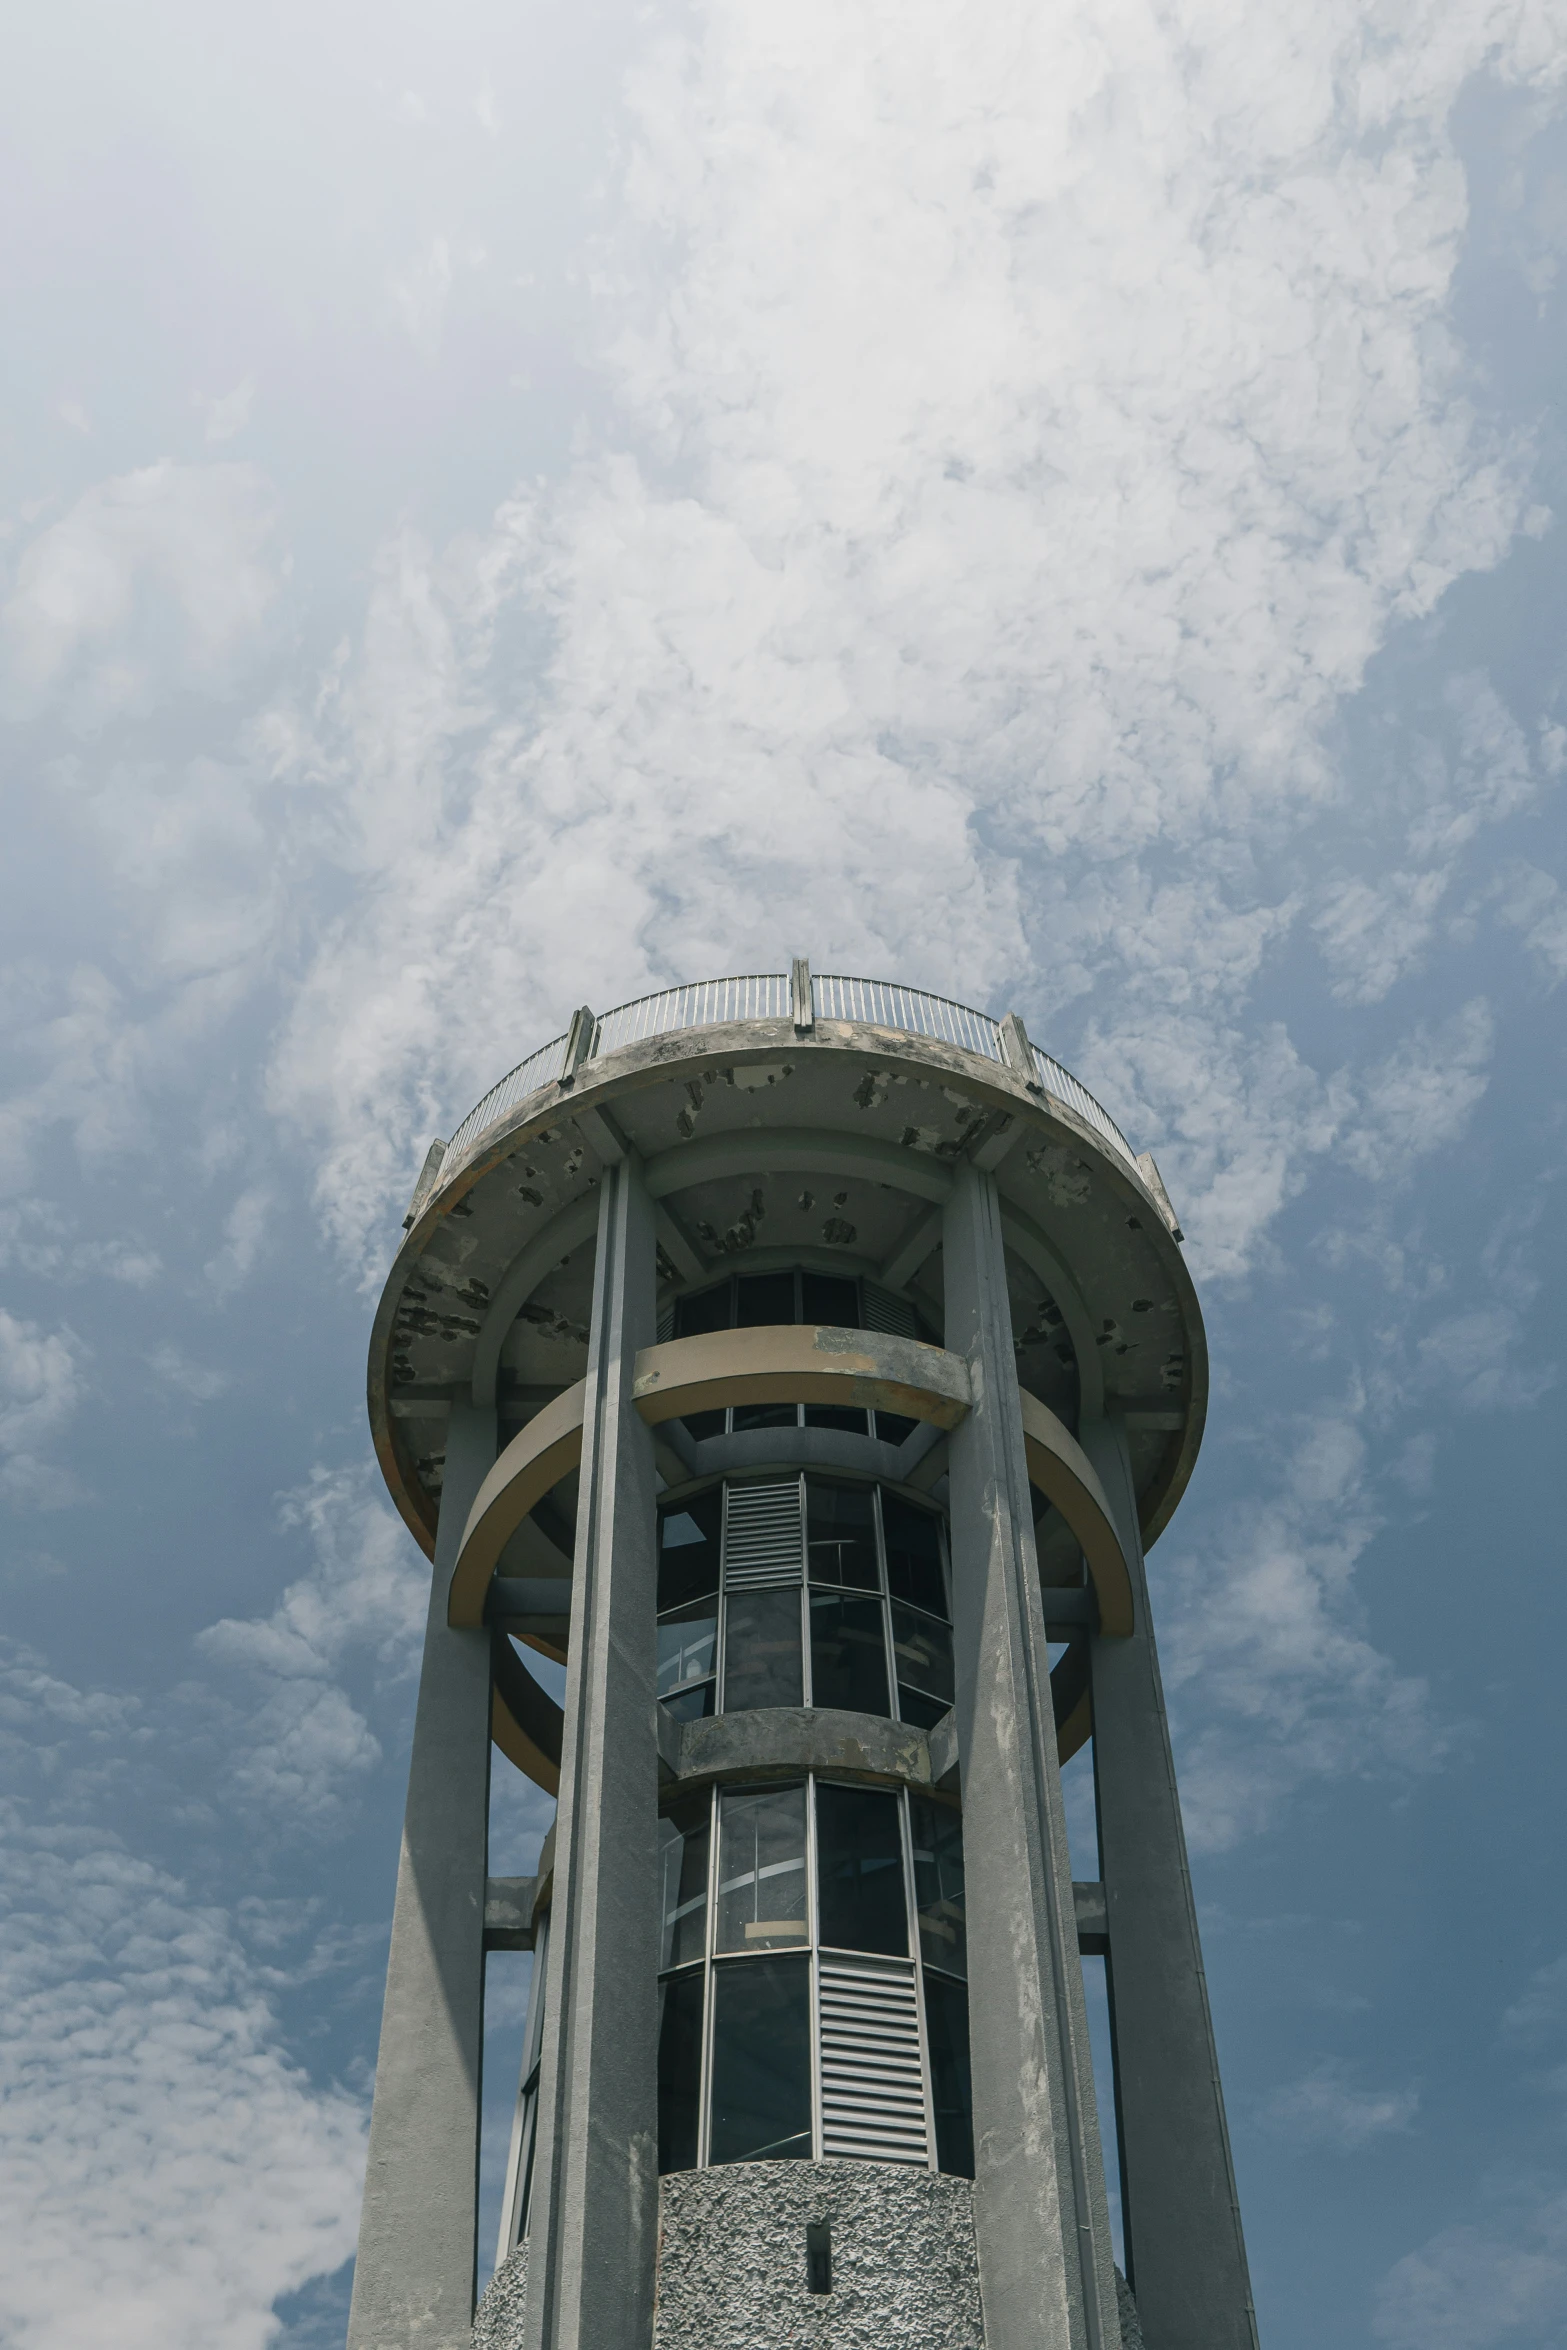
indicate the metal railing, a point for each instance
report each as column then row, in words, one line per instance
column 765, row 995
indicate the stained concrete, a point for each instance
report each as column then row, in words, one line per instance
column 732, row 2274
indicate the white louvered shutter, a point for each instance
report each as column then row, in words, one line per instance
column 764, row 1536
column 873, row 2083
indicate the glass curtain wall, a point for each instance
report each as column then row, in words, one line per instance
column 803, row 1590
column 813, row 1988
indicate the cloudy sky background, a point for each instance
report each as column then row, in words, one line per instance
column 508, row 507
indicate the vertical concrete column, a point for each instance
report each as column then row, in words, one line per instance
column 1041, row 2216
column 593, row 2223
column 1186, row 2257
column 414, row 2280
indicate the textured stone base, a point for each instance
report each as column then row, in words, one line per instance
column 732, row 2274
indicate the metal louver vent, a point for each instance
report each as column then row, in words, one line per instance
column 666, row 1325
column 883, row 1311
column 873, row 2084
column 763, row 1536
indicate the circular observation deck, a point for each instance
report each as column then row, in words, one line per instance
column 786, row 1123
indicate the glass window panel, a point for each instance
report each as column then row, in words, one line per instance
column 687, row 1639
column 913, row 1706
column 763, row 1298
column 840, row 1533
column 937, row 1832
column 688, row 1535
column 696, row 1703
column 831, row 1415
column 700, row 1425
column 922, row 1653
column 765, row 1415
column 761, row 2061
column 761, row 1870
column 893, row 1428
column 946, row 2027
column 679, row 2069
column 682, row 1870
column 859, row 1859
column 913, row 1555
column 848, row 1659
column 707, row 1310
column 825, row 1297
column 762, row 1650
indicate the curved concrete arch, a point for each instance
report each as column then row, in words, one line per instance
column 803, row 1150
column 801, row 1363
column 525, row 1722
column 538, row 1456
column 1025, row 1239
column 782, row 1741
column 516, row 1285
column 1063, row 1472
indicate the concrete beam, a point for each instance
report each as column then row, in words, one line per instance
column 1040, row 2210
column 1186, row 2256
column 414, row 2278
column 593, row 2224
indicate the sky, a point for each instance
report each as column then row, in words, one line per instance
column 508, row 508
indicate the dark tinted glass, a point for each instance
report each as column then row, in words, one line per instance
column 913, row 1554
column 893, row 1428
column 761, row 1870
column 848, row 1661
column 913, row 1706
column 825, row 1298
column 695, row 1703
column 840, row 1533
column 946, row 2026
column 859, row 1859
column 708, row 1310
column 763, row 1298
column 687, row 1640
column 761, row 2060
column 922, row 1653
column 688, row 1548
column 682, row 1870
column 700, row 1425
column 679, row 2069
column 937, row 1832
column 831, row 1415
column 762, row 1650
column 765, row 1415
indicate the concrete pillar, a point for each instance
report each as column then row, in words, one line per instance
column 593, row 2225
column 1040, row 2211
column 1185, row 2254
column 414, row 2280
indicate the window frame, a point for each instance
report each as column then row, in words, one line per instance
column 712, row 1959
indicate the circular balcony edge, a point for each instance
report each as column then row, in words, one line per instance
column 787, row 1363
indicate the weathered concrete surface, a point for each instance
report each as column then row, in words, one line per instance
column 1041, row 2216
column 781, row 1740
column 413, row 2282
column 731, row 2272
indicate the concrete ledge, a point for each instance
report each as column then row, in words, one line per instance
column 864, row 1370
column 781, row 1741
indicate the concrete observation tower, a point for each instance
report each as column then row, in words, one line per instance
column 807, row 1364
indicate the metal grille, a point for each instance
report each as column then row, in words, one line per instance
column 882, row 1004
column 1077, row 1097
column 883, row 1311
column 764, row 1536
column 873, row 2083
column 666, row 1326
column 540, row 1068
column 754, row 995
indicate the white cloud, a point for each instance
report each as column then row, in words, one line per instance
column 40, row 1387
column 1422, row 1095
column 1326, row 2108
column 1273, row 1680
column 303, row 1741
column 196, row 1380
column 166, row 2169
column 1467, row 2289
column 154, row 581
column 1021, row 460
column 244, row 1235
column 231, row 413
